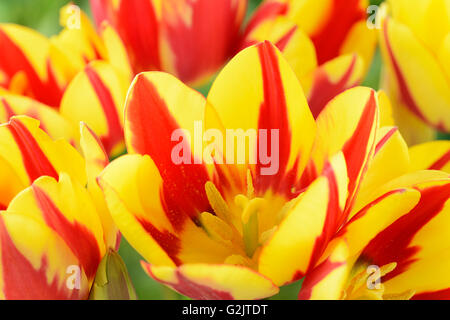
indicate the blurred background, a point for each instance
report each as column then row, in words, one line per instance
column 43, row 15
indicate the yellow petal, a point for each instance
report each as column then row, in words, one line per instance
column 218, row 282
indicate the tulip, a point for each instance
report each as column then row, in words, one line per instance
column 55, row 227
column 191, row 39
column 327, row 43
column 41, row 68
column 416, row 52
column 226, row 230
column 394, row 248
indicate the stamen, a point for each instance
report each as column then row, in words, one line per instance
column 216, row 228
column 250, row 225
column 218, row 204
column 358, row 287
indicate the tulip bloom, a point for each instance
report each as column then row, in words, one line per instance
column 416, row 49
column 334, row 48
column 397, row 246
column 193, row 39
column 228, row 230
column 64, row 73
column 54, row 230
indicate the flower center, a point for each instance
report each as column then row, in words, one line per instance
column 244, row 223
column 365, row 284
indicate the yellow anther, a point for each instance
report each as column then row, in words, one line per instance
column 252, row 208
column 217, row 202
column 384, row 270
column 216, row 227
column 361, row 286
column 241, row 201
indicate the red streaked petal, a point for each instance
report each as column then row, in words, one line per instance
column 393, row 243
column 13, row 60
column 115, row 130
column 150, row 124
column 342, row 16
column 77, row 237
column 34, row 159
column 325, row 85
column 138, row 26
column 23, row 281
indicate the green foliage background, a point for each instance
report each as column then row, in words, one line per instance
column 43, row 15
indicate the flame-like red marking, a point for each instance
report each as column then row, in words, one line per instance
column 357, row 149
column 138, row 27
column 166, row 240
column 443, row 294
column 393, row 243
column 34, row 159
column 8, row 109
column 315, row 276
column 191, row 289
column 77, row 236
column 115, row 130
column 324, row 89
column 441, row 162
column 405, row 93
column 385, row 139
column 21, row 281
column 151, row 126
column 13, row 60
column 331, row 36
column 206, row 44
column 273, row 115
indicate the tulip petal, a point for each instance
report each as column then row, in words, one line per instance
column 157, row 107
column 199, row 36
column 413, row 232
column 35, row 262
column 96, row 160
column 259, row 85
column 161, row 236
column 302, row 236
column 348, row 123
column 333, row 78
column 66, row 207
column 390, row 145
column 418, row 87
column 327, row 280
column 51, row 121
column 96, row 96
column 26, row 53
column 217, row 282
column 33, row 154
column 431, row 156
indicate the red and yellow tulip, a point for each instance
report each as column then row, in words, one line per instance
column 54, row 231
column 327, row 43
column 228, row 231
column 415, row 42
column 191, row 39
column 400, row 239
column 82, row 74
